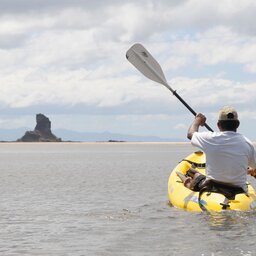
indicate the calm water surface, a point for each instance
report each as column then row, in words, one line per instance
column 106, row 199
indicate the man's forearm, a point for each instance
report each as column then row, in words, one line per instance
column 200, row 120
column 193, row 128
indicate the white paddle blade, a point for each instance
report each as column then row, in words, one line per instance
column 146, row 64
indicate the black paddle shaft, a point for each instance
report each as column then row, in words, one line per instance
column 189, row 108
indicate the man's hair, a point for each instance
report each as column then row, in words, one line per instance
column 229, row 125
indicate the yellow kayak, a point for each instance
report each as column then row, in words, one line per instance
column 182, row 197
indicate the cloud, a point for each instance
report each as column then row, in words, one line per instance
column 70, row 56
column 180, row 126
column 213, row 92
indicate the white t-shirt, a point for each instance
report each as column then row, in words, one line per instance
column 228, row 154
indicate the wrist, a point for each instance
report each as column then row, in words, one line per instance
column 196, row 123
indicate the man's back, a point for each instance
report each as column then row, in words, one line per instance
column 228, row 155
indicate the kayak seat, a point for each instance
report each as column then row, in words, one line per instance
column 229, row 191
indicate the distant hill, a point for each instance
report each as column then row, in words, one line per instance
column 68, row 135
column 42, row 131
column 106, row 136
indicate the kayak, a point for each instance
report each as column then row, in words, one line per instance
column 184, row 198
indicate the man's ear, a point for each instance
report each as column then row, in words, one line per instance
column 218, row 124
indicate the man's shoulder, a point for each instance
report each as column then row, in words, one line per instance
column 200, row 137
column 242, row 137
column 207, row 134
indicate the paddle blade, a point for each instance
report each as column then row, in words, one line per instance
column 146, row 64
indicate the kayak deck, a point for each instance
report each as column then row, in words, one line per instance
column 182, row 197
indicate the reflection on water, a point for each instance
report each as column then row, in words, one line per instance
column 229, row 220
column 228, row 233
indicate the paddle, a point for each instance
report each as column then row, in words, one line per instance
column 149, row 67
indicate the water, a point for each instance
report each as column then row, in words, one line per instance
column 106, row 200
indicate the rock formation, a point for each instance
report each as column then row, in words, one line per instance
column 41, row 133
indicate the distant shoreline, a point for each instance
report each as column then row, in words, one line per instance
column 107, row 142
column 97, row 142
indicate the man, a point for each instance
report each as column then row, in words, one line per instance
column 228, row 153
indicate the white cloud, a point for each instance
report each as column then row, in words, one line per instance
column 180, row 126
column 210, row 91
column 68, row 53
column 218, row 45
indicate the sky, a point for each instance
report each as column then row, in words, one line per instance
column 66, row 59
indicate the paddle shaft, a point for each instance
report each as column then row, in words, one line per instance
column 188, row 107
